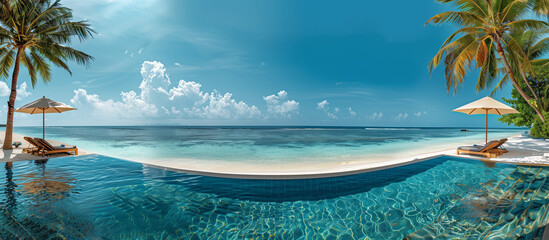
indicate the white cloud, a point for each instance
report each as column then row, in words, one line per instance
column 184, row 100
column 130, row 107
column 351, row 112
column 155, row 79
column 4, row 89
column 175, row 111
column 21, row 90
column 277, row 105
column 376, row 116
column 336, row 109
column 401, row 116
column 177, row 64
column 216, row 105
column 324, row 107
column 420, row 113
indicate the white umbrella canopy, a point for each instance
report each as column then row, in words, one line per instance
column 486, row 105
column 44, row 105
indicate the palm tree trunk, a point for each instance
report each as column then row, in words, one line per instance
column 528, row 84
column 9, row 123
column 501, row 53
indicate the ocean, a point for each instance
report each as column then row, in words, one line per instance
column 262, row 146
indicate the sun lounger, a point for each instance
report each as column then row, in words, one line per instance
column 499, row 149
column 32, row 150
column 47, row 148
column 488, row 150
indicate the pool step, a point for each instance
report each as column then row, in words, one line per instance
column 510, row 209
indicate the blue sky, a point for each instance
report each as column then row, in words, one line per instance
column 176, row 62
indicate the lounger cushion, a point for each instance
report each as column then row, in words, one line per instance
column 477, row 148
column 471, row 148
column 65, row 147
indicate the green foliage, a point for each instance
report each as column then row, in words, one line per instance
column 527, row 115
column 43, row 31
column 485, row 38
column 540, row 129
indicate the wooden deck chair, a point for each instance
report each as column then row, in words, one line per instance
column 487, row 150
column 49, row 149
column 499, row 149
column 32, row 150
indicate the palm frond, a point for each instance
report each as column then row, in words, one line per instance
column 488, row 70
column 462, row 41
column 27, row 62
column 7, row 57
column 458, row 63
column 500, row 84
column 42, row 66
column 45, row 29
column 513, row 10
column 527, row 24
column 463, row 19
column 541, row 7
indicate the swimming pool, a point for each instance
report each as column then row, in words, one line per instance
column 101, row 197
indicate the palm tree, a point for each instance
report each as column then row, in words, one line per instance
column 36, row 34
column 533, row 45
column 484, row 38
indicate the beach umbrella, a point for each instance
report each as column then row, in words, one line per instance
column 486, row 106
column 44, row 105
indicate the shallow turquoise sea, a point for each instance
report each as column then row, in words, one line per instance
column 98, row 197
column 269, row 145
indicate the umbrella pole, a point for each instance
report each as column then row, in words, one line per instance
column 44, row 124
column 486, row 126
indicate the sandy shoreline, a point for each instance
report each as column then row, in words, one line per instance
column 521, row 150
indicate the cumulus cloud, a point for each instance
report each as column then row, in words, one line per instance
column 326, row 109
column 131, row 105
column 216, row 105
column 401, row 116
column 187, row 99
column 4, row 89
column 420, row 113
column 155, row 79
column 21, row 90
column 322, row 105
column 278, row 105
column 376, row 116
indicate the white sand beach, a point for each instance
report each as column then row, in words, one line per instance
column 521, row 150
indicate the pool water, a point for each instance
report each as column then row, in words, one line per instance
column 98, row 197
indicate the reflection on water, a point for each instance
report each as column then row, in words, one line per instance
column 98, row 197
column 31, row 209
column 46, row 185
column 9, row 190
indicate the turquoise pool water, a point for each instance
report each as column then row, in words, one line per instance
column 98, row 197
